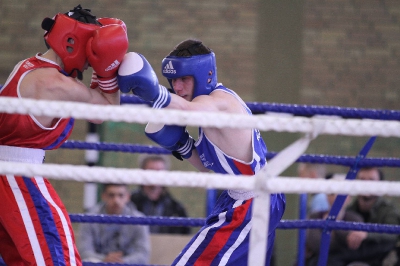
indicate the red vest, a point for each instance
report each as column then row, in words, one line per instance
column 24, row 130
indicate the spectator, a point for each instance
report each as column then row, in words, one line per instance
column 318, row 202
column 115, row 243
column 369, row 247
column 156, row 200
column 338, row 241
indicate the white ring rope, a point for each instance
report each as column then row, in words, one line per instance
column 143, row 115
column 100, row 174
column 195, row 179
column 263, row 184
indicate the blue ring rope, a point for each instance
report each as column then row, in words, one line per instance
column 307, row 158
column 183, row 221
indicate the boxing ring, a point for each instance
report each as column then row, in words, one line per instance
column 311, row 121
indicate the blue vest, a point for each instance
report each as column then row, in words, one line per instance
column 216, row 160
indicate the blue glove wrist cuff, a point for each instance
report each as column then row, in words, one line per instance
column 163, row 99
column 186, row 150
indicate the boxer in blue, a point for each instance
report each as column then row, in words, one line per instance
column 192, row 73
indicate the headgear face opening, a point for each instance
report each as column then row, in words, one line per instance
column 68, row 38
column 203, row 68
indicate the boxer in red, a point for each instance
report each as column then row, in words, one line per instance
column 34, row 225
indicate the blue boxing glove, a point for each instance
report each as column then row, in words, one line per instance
column 172, row 138
column 135, row 73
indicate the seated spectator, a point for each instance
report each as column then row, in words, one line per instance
column 114, row 243
column 319, row 201
column 372, row 248
column 156, row 200
column 338, row 241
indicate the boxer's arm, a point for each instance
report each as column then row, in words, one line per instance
column 173, row 138
column 217, row 101
column 49, row 84
column 177, row 140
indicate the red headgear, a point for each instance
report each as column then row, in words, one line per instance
column 68, row 37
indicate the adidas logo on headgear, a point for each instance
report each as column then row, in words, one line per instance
column 169, row 68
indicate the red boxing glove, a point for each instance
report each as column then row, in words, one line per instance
column 109, row 21
column 94, row 82
column 107, row 85
column 106, row 48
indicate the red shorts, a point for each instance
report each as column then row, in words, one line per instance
column 35, row 228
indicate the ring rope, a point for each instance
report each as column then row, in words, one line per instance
column 339, row 225
column 306, row 158
column 117, row 147
column 196, row 179
column 183, row 221
column 301, row 110
column 86, row 263
column 143, row 115
column 315, row 126
column 147, row 220
column 100, row 174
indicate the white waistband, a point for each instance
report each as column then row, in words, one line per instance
column 241, row 194
column 23, row 155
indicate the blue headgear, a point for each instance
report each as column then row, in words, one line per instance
column 201, row 67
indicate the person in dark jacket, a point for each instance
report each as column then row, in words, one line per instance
column 154, row 200
column 372, row 248
column 338, row 239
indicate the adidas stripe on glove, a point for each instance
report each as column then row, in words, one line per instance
column 172, row 138
column 136, row 74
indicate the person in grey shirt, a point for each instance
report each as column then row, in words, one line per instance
column 114, row 243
